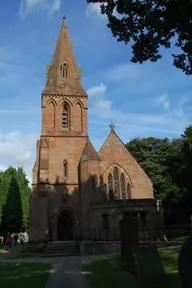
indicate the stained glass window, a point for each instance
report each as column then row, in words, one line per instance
column 110, row 185
column 116, row 183
column 128, row 191
column 123, row 192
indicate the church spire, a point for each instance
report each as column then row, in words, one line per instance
column 63, row 76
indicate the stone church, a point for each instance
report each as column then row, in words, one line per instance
column 77, row 192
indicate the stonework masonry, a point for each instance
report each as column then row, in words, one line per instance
column 73, row 184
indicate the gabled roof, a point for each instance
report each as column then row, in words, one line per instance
column 89, row 152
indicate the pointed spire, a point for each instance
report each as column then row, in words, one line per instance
column 63, row 76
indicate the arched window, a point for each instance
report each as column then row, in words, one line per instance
column 128, row 191
column 116, row 183
column 65, row 116
column 105, row 191
column 123, row 192
column 65, row 172
column 94, row 182
column 64, row 70
column 110, row 185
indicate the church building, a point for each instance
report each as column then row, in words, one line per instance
column 77, row 192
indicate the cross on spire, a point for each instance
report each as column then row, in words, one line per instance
column 112, row 126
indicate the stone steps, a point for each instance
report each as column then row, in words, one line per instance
column 61, row 249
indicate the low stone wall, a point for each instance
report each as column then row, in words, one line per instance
column 99, row 247
column 110, row 247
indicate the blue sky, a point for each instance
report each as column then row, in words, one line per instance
column 152, row 99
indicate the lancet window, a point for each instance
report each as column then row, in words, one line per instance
column 64, row 70
column 116, row 183
column 65, row 172
column 65, row 116
column 110, row 186
column 123, row 192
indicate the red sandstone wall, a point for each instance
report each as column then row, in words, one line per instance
column 114, row 152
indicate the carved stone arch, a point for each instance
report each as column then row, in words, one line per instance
column 77, row 101
column 51, row 100
column 119, row 166
column 77, row 116
column 59, row 215
column 67, row 209
column 50, row 109
column 63, row 101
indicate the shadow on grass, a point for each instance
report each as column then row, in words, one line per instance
column 169, row 281
column 106, row 273
column 24, row 254
column 24, row 275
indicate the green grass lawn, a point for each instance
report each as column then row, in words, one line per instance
column 24, row 275
column 105, row 272
column 14, row 254
column 19, row 252
column 2, row 251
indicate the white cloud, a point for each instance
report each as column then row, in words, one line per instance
column 17, row 149
column 104, row 107
column 56, row 5
column 105, row 110
column 171, row 123
column 124, row 71
column 97, row 89
column 30, row 6
column 94, row 8
column 26, row 110
column 163, row 101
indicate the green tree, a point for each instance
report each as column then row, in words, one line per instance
column 152, row 24
column 25, row 192
column 186, row 179
column 11, row 180
column 12, row 214
column 161, row 160
column 4, row 188
column 151, row 154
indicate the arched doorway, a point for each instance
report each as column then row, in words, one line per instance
column 65, row 227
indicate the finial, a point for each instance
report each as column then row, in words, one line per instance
column 112, row 126
column 64, row 20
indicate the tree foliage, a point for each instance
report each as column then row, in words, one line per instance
column 151, row 24
column 169, row 164
column 14, row 200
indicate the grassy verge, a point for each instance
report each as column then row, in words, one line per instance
column 23, row 254
column 19, row 252
column 105, row 272
column 2, row 251
column 24, row 275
